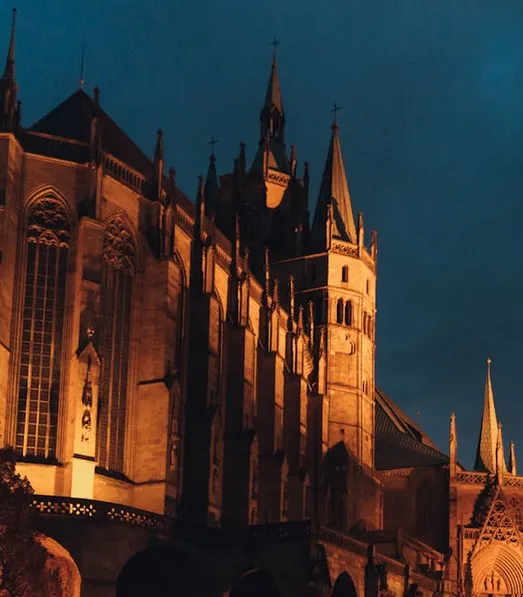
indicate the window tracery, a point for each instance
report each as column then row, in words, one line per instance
column 119, row 256
column 39, row 383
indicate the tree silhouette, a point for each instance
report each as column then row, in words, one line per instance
column 23, row 559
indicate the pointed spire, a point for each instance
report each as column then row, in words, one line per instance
column 9, row 109
column 291, row 298
column 199, row 212
column 273, row 94
column 311, row 323
column 9, row 69
column 453, row 446
column 512, row 459
column 158, row 151
column 500, row 456
column 334, row 190
column 212, row 185
column 486, row 452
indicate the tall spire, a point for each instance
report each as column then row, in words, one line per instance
column 9, row 70
column 487, row 444
column 271, row 151
column 9, row 111
column 334, row 191
column 500, row 455
column 453, row 446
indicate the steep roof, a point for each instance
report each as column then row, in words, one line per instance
column 399, row 441
column 334, row 190
column 72, row 120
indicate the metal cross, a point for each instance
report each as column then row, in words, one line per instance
column 334, row 110
column 213, row 142
column 274, row 43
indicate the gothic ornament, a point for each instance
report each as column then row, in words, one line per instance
column 48, row 222
column 119, row 250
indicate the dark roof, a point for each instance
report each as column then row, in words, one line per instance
column 400, row 443
column 72, row 120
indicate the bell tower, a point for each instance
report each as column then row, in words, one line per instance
column 343, row 270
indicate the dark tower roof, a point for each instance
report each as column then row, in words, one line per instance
column 334, row 190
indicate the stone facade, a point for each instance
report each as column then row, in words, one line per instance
column 190, row 387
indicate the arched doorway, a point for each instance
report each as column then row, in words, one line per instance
column 255, row 583
column 498, row 570
column 344, row 587
column 161, row 571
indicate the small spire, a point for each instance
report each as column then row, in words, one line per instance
column 311, row 322
column 172, row 177
column 241, row 158
column 158, row 151
column 200, row 207
column 486, row 452
column 500, row 458
column 453, row 446
column 291, row 298
column 212, row 184
column 512, row 459
column 374, row 245
column 276, row 292
column 9, row 70
column 300, row 318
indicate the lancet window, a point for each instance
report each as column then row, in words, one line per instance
column 118, row 268
column 39, row 382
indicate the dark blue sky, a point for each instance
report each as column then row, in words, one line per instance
column 432, row 134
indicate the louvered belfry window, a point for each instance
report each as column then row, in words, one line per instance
column 39, row 384
column 115, row 337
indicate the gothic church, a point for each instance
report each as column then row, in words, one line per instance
column 190, row 386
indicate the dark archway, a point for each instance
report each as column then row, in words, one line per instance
column 161, row 571
column 344, row 587
column 255, row 583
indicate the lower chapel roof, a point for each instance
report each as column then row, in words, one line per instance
column 400, row 443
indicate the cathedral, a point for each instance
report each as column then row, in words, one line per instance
column 189, row 383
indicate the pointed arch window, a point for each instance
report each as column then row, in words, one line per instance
column 345, row 273
column 39, row 380
column 339, row 311
column 119, row 256
column 348, row 313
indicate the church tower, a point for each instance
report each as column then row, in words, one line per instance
column 337, row 275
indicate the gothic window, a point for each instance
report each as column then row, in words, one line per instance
column 339, row 311
column 48, row 237
column 116, row 299
column 348, row 313
column 367, row 286
column 345, row 273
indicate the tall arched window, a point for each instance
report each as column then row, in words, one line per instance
column 348, row 313
column 48, row 237
column 339, row 311
column 116, row 296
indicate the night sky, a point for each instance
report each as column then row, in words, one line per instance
column 432, row 133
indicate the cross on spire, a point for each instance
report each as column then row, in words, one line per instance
column 335, row 109
column 274, row 43
column 212, row 143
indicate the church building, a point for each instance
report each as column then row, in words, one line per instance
column 188, row 380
